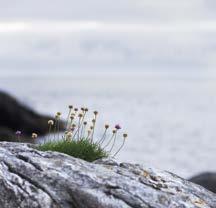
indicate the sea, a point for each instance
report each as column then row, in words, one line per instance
column 170, row 116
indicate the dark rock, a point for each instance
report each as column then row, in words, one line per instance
column 30, row 178
column 15, row 116
column 7, row 134
column 207, row 180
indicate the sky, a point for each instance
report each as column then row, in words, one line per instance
column 123, row 34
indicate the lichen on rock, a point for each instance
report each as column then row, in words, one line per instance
column 30, row 178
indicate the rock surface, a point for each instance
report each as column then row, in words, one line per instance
column 207, row 180
column 30, row 178
column 15, row 116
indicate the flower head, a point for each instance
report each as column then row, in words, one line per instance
column 34, row 135
column 125, row 135
column 58, row 113
column 51, row 122
column 117, row 126
column 18, row 133
column 57, row 116
column 69, row 134
column 96, row 113
column 80, row 115
column 93, row 120
column 70, row 106
column 106, row 126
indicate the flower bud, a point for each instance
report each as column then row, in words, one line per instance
column 58, row 113
column 69, row 134
column 125, row 135
column 96, row 113
column 51, row 122
column 117, row 126
column 80, row 115
column 93, row 120
column 18, row 133
column 34, row 135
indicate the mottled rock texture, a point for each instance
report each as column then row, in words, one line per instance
column 30, row 178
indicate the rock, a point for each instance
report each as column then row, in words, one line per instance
column 207, row 180
column 7, row 134
column 15, row 116
column 30, row 178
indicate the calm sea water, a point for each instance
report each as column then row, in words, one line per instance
column 170, row 119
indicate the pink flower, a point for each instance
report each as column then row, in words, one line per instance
column 18, row 133
column 117, row 126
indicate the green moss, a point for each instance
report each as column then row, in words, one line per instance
column 82, row 149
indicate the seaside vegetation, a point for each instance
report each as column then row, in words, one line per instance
column 79, row 139
column 80, row 149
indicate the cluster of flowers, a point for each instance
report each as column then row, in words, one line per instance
column 78, row 128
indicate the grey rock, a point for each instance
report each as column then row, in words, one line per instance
column 34, row 179
column 207, row 180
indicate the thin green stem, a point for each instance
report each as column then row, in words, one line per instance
column 81, row 125
column 119, row 148
column 50, row 126
column 113, row 143
column 92, row 136
column 55, row 127
column 68, row 118
column 58, row 129
column 83, row 131
column 70, row 124
column 102, row 138
column 77, row 131
column 109, row 141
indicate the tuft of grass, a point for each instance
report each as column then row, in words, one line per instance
column 79, row 137
column 83, row 149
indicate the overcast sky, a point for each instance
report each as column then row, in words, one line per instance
column 142, row 34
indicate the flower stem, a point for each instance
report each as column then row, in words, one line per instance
column 113, row 143
column 102, row 138
column 109, row 141
column 68, row 119
column 119, row 148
